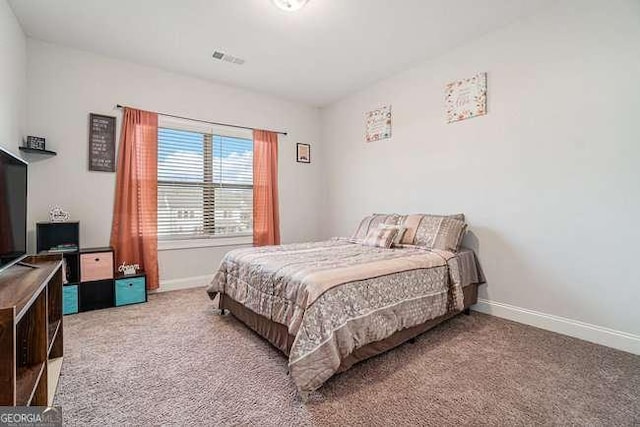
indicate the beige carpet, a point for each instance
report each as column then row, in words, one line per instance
column 173, row 361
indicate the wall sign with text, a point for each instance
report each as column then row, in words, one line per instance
column 466, row 98
column 102, row 143
column 378, row 123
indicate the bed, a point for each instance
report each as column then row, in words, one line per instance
column 328, row 305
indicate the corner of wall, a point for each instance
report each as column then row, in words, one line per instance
column 13, row 79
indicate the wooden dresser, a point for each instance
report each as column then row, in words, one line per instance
column 31, row 332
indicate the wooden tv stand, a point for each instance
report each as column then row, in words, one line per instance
column 31, row 333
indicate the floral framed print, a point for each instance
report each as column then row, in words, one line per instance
column 466, row 98
column 303, row 153
column 378, row 124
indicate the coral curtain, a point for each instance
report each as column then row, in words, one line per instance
column 134, row 232
column 266, row 218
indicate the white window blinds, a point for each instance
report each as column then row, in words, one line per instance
column 205, row 184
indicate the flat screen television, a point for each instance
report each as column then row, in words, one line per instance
column 13, row 209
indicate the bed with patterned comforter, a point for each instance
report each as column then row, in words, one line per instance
column 338, row 295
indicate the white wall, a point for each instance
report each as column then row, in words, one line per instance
column 548, row 179
column 65, row 85
column 13, row 80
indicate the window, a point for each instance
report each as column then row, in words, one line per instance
column 205, row 183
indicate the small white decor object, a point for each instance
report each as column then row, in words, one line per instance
column 57, row 214
column 466, row 98
column 379, row 124
column 128, row 269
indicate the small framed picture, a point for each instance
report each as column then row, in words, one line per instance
column 303, row 153
column 466, row 98
column 35, row 142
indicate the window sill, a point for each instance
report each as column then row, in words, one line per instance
column 170, row 245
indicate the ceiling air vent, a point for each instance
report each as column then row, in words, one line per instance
column 221, row 56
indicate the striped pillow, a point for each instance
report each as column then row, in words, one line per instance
column 380, row 237
column 372, row 222
column 438, row 232
column 401, row 230
column 413, row 221
column 429, row 231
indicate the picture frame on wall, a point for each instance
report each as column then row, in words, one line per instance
column 35, row 142
column 466, row 98
column 378, row 123
column 102, row 143
column 303, row 153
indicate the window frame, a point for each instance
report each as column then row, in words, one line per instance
column 209, row 130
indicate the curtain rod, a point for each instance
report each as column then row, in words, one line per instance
column 205, row 121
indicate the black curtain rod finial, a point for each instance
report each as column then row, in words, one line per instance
column 208, row 122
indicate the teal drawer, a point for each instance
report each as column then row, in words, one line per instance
column 70, row 299
column 131, row 290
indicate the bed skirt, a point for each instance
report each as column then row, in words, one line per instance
column 278, row 335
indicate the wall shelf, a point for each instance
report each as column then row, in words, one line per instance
column 37, row 151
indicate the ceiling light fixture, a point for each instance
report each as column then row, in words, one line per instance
column 290, row 5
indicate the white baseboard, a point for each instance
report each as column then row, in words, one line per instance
column 186, row 283
column 585, row 331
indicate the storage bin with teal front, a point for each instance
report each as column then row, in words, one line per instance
column 69, row 299
column 131, row 289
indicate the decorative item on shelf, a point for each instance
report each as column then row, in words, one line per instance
column 378, row 124
column 35, row 142
column 303, row 153
column 102, row 143
column 63, row 247
column 466, row 98
column 128, row 269
column 57, row 214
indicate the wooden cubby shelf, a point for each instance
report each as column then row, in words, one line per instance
column 53, row 331
column 31, row 330
column 27, row 379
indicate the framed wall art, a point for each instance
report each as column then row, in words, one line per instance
column 35, row 142
column 303, row 153
column 102, row 143
column 466, row 98
column 378, row 124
